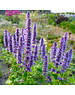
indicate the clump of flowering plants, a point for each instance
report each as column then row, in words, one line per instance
column 12, row 15
column 31, row 65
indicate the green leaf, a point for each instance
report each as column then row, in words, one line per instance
column 41, row 80
column 55, row 76
column 38, row 69
column 33, row 68
column 8, row 82
column 16, row 80
column 25, row 75
column 65, row 81
column 71, row 79
column 51, row 83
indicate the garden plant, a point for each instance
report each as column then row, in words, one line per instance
column 12, row 16
column 30, row 62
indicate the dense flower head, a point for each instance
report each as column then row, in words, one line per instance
column 34, row 34
column 23, row 36
column 28, row 24
column 43, row 53
column 14, row 43
column 19, row 55
column 42, row 42
column 35, row 53
column 66, row 36
column 31, row 61
column 59, row 54
column 17, row 37
column 21, row 44
column 27, row 62
column 28, row 15
column 28, row 41
column 45, row 65
column 28, row 33
column 70, row 57
column 10, row 47
column 53, row 51
column 62, row 41
column 65, row 61
column 5, row 38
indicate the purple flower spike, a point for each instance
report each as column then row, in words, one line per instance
column 14, row 44
column 21, row 41
column 28, row 24
column 66, row 36
column 35, row 53
column 10, row 44
column 53, row 51
column 59, row 54
column 62, row 41
column 5, row 38
column 58, row 57
column 43, row 53
column 65, row 61
column 23, row 37
column 45, row 65
column 21, row 44
column 19, row 55
column 31, row 61
column 42, row 42
column 17, row 37
column 28, row 35
column 70, row 57
column 28, row 15
column 34, row 34
column 28, row 41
